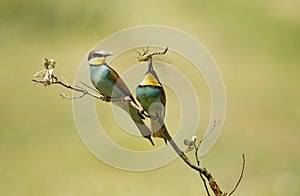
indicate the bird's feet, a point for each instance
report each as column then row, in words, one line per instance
column 105, row 98
column 144, row 113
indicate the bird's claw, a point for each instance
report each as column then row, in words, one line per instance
column 144, row 113
column 127, row 99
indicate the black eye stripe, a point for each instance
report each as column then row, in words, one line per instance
column 93, row 54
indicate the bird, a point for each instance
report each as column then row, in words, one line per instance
column 109, row 84
column 152, row 97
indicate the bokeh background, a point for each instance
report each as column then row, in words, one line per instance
column 255, row 43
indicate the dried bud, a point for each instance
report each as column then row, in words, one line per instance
column 191, row 144
column 47, row 74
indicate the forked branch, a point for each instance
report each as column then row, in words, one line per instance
column 47, row 78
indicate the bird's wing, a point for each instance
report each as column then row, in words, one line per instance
column 163, row 96
column 114, row 76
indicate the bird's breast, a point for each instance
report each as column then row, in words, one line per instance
column 100, row 77
column 147, row 95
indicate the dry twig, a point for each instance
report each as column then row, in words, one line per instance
column 48, row 78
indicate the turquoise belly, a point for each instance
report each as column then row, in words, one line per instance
column 148, row 95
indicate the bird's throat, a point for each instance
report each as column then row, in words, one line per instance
column 97, row 61
column 149, row 80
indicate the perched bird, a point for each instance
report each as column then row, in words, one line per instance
column 150, row 93
column 109, row 84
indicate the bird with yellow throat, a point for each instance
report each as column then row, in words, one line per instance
column 109, row 84
column 152, row 97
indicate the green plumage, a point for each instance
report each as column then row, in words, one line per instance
column 151, row 95
column 107, row 81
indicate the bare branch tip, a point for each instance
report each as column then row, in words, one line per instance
column 241, row 176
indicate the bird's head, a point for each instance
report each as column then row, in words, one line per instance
column 98, row 57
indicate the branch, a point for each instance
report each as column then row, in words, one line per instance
column 195, row 144
column 202, row 171
column 201, row 176
column 241, row 176
column 213, row 184
column 78, row 89
column 196, row 152
column 48, row 78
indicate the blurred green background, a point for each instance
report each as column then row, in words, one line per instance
column 255, row 43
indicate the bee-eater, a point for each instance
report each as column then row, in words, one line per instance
column 150, row 93
column 107, row 81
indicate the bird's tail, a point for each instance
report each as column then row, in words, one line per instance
column 159, row 129
column 138, row 120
